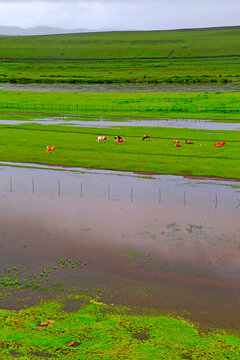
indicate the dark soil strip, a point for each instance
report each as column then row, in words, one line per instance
column 120, row 59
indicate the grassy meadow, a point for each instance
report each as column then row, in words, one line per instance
column 139, row 71
column 125, row 44
column 177, row 56
column 108, row 332
column 212, row 105
column 78, row 147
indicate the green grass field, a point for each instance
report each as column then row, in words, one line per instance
column 78, row 147
column 171, row 71
column 218, row 105
column 133, row 44
column 186, row 56
column 107, row 332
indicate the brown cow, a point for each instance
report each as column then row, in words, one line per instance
column 146, row 137
column 220, row 144
column 51, row 148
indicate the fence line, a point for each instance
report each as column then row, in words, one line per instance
column 75, row 109
column 131, row 193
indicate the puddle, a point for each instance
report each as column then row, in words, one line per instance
column 167, row 243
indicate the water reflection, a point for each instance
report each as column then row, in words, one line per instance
column 108, row 121
column 167, row 242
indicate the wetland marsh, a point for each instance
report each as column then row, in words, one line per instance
column 124, row 263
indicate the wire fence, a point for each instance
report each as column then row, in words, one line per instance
column 77, row 108
column 132, row 194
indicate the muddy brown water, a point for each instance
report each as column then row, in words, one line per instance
column 166, row 242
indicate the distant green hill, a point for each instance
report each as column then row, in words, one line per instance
column 117, row 45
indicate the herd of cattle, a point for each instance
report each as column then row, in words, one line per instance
column 177, row 143
column 119, row 139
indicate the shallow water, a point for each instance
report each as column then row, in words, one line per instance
column 104, row 88
column 108, row 121
column 169, row 243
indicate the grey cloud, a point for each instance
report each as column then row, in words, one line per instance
column 120, row 14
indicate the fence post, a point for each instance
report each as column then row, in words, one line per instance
column 132, row 195
column 11, row 187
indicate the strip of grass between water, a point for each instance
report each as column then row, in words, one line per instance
column 77, row 147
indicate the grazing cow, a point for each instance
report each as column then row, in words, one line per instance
column 146, row 137
column 220, row 144
column 116, row 138
column 188, row 142
column 51, row 148
column 178, row 145
column 101, row 138
column 176, row 141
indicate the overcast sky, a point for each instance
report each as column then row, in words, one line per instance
column 120, row 14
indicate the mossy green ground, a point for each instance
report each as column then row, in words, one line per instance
column 108, row 332
column 211, row 105
column 78, row 147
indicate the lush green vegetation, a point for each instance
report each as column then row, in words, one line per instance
column 218, row 105
column 133, row 44
column 99, row 331
column 170, row 71
column 188, row 56
column 78, row 147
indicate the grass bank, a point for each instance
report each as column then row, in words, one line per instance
column 212, row 105
column 78, row 147
column 99, row 331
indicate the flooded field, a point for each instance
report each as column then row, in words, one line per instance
column 160, row 242
column 111, row 121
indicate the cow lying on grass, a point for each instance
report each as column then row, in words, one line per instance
column 51, row 148
column 101, row 138
column 220, row 144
